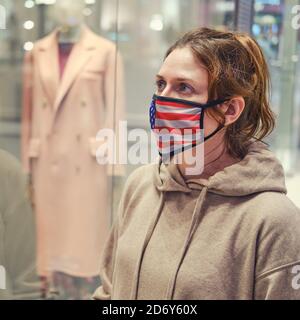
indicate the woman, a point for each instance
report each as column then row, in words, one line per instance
column 228, row 232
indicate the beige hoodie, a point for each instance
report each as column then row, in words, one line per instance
column 235, row 236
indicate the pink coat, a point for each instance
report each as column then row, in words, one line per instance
column 59, row 127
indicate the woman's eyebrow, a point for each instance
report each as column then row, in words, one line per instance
column 178, row 79
column 185, row 79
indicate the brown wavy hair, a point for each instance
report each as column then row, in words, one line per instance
column 236, row 67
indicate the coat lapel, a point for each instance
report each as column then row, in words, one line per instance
column 49, row 66
column 80, row 55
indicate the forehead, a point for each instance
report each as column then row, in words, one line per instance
column 181, row 63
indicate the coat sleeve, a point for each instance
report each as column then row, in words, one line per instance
column 26, row 110
column 114, row 96
column 19, row 239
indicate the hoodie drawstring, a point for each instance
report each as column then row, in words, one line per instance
column 134, row 292
column 194, row 225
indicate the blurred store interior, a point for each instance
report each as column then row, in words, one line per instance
column 143, row 30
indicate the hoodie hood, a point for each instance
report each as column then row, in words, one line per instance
column 258, row 171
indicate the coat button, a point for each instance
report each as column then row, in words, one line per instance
column 45, row 104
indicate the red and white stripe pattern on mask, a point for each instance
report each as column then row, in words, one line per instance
column 176, row 124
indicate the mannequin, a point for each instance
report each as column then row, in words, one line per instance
column 72, row 87
column 68, row 15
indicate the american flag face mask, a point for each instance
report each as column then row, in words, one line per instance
column 178, row 124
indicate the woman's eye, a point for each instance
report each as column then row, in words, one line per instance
column 160, row 85
column 184, row 88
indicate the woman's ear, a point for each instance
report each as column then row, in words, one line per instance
column 233, row 109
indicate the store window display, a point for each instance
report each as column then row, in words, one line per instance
column 140, row 29
column 229, row 231
column 70, row 78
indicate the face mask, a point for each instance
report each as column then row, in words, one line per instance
column 178, row 124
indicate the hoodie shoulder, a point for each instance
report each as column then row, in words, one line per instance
column 259, row 171
column 275, row 205
column 138, row 185
column 139, row 182
column 279, row 231
column 275, row 211
column 140, row 176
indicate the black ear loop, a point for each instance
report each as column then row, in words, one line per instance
column 209, row 105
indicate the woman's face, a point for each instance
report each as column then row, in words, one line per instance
column 182, row 76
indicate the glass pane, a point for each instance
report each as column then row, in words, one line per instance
column 55, row 94
column 276, row 28
column 57, row 90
